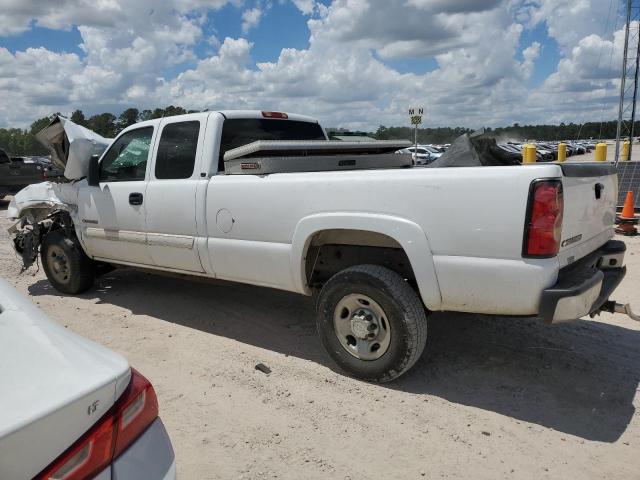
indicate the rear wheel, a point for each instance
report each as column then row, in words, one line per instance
column 371, row 322
column 66, row 265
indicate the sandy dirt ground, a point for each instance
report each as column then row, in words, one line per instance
column 490, row 398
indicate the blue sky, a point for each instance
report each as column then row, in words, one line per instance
column 282, row 26
column 351, row 53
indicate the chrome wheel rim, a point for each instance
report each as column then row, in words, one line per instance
column 362, row 327
column 58, row 264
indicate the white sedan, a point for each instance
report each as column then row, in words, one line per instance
column 423, row 155
column 72, row 409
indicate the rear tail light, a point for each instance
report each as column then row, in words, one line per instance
column 129, row 417
column 543, row 227
column 275, row 115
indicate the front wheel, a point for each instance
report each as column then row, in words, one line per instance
column 371, row 322
column 66, row 265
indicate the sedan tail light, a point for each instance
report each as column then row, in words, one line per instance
column 543, row 227
column 129, row 417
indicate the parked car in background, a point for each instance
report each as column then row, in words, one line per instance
column 423, row 155
column 70, row 408
column 578, row 148
column 511, row 148
column 545, row 153
column 434, row 151
column 18, row 172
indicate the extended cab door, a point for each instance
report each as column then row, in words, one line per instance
column 112, row 215
column 171, row 193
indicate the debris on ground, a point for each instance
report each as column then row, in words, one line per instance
column 263, row 368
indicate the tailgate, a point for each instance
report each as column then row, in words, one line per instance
column 590, row 196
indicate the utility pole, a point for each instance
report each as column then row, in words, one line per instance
column 629, row 78
column 415, row 116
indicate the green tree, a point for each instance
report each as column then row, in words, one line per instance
column 103, row 124
column 170, row 111
column 78, row 117
column 128, row 117
column 145, row 115
column 39, row 125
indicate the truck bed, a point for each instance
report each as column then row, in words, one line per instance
column 270, row 156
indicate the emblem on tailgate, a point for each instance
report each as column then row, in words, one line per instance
column 571, row 240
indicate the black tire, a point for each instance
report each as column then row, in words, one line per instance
column 404, row 312
column 80, row 269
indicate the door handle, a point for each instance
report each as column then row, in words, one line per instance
column 135, row 198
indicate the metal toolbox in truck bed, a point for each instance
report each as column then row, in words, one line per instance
column 264, row 157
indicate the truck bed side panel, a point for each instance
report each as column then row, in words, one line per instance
column 471, row 212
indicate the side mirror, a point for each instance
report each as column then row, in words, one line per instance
column 94, row 171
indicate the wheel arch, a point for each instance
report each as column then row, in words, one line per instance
column 370, row 230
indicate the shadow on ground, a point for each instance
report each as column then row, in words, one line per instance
column 578, row 378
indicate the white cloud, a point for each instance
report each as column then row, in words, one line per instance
column 530, row 55
column 251, row 19
column 344, row 77
column 305, row 6
column 569, row 21
column 35, row 83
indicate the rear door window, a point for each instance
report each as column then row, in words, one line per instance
column 177, row 150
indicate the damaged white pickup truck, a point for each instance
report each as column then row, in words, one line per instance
column 263, row 198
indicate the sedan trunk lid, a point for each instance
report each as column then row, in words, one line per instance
column 55, row 385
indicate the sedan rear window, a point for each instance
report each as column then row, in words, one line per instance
column 237, row 132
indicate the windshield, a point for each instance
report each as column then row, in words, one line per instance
column 237, row 132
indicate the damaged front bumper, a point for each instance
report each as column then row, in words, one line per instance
column 34, row 209
column 38, row 201
column 584, row 286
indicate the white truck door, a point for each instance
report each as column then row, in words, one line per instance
column 171, row 194
column 112, row 215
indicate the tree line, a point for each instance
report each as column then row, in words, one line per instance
column 515, row 132
column 18, row 141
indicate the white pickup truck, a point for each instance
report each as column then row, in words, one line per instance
column 381, row 246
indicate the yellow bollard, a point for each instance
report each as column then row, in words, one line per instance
column 562, row 152
column 529, row 154
column 601, row 152
column 625, row 150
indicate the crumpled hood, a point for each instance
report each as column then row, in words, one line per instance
column 71, row 146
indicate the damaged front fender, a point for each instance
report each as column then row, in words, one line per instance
column 36, row 209
column 39, row 200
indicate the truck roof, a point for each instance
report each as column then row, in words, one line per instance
column 229, row 114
